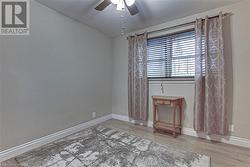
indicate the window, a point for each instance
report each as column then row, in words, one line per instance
column 172, row 56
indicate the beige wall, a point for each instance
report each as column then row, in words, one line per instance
column 249, row 64
column 249, row 60
column 52, row 79
column 237, row 54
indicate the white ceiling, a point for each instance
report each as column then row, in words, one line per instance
column 152, row 12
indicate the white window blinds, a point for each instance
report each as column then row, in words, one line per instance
column 172, row 56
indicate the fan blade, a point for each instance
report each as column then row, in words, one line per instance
column 133, row 10
column 103, row 5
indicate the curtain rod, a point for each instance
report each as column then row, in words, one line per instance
column 181, row 25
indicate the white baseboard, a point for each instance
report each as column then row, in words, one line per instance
column 191, row 132
column 120, row 117
column 238, row 141
column 15, row 151
column 126, row 119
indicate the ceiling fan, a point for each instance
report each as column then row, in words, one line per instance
column 120, row 4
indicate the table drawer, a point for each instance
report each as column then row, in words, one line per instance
column 162, row 102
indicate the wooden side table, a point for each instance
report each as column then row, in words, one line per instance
column 174, row 103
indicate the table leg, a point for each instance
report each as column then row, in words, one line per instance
column 180, row 116
column 174, row 129
column 157, row 113
column 154, row 119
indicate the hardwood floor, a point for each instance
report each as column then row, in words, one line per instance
column 222, row 155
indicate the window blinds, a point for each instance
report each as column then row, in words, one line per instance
column 172, row 56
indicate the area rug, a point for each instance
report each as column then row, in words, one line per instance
column 104, row 147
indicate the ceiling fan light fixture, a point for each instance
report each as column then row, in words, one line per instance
column 115, row 1
column 129, row 2
column 120, row 5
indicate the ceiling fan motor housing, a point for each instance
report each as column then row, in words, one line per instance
column 121, row 4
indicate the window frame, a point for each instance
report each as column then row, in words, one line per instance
column 167, row 77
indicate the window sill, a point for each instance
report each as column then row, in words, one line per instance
column 171, row 81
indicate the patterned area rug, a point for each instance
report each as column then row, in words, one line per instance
column 104, row 147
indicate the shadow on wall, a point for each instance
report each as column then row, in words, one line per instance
column 184, row 108
column 166, row 113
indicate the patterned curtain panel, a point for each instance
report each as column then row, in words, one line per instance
column 137, row 79
column 210, row 114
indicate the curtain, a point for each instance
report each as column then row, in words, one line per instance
column 210, row 115
column 137, row 79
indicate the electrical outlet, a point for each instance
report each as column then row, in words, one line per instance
column 93, row 114
column 231, row 128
